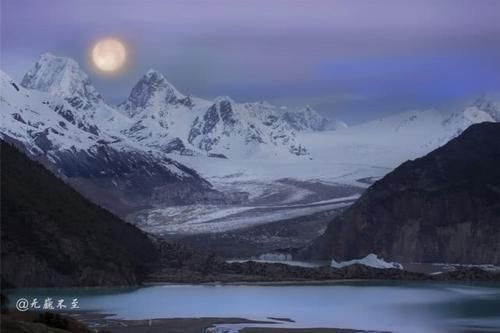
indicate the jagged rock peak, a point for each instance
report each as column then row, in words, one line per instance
column 153, row 90
column 63, row 77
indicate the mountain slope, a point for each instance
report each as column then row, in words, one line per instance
column 53, row 236
column 443, row 207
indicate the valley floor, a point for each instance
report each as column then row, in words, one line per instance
column 280, row 214
column 290, row 198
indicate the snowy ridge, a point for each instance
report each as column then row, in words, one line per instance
column 157, row 116
column 61, row 110
column 39, row 120
column 241, row 130
column 165, row 119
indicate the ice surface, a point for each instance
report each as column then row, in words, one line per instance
column 371, row 260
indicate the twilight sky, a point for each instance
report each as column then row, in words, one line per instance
column 354, row 60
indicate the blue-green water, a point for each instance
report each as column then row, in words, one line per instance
column 399, row 307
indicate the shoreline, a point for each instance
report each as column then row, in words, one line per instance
column 281, row 283
column 431, row 279
column 102, row 321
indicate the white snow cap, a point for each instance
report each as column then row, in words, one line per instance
column 371, row 260
column 152, row 90
column 62, row 77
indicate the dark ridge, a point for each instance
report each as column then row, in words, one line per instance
column 53, row 236
column 443, row 207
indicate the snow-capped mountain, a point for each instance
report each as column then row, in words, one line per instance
column 106, row 166
column 62, row 77
column 117, row 155
column 425, row 128
column 127, row 155
column 241, row 129
column 158, row 116
column 481, row 110
column 165, row 119
column 153, row 91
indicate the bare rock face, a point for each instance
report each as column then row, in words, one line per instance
column 443, row 207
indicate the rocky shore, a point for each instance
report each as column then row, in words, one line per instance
column 87, row 322
column 181, row 264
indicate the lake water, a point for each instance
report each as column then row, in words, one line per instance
column 390, row 306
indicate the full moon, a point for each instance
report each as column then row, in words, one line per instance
column 109, row 54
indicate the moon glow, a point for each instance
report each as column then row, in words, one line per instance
column 109, row 55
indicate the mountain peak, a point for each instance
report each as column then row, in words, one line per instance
column 63, row 77
column 155, row 76
column 152, row 90
column 222, row 99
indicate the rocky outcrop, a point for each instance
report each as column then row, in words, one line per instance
column 53, row 236
column 443, row 207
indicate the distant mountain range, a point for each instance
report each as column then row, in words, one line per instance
column 118, row 155
column 443, row 207
column 125, row 157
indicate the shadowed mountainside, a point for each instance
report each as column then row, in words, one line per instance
column 443, row 207
column 53, row 236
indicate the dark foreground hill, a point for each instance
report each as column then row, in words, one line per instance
column 52, row 236
column 443, row 207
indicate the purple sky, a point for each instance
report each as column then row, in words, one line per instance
column 350, row 59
